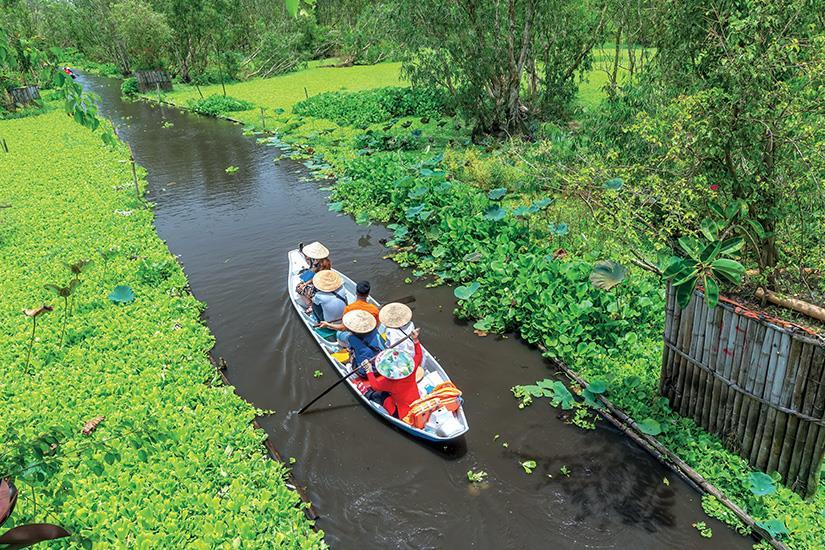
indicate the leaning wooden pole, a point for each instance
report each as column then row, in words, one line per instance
column 627, row 425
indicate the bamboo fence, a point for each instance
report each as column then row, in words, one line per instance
column 152, row 80
column 754, row 381
column 24, row 96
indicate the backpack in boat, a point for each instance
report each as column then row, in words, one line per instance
column 445, row 395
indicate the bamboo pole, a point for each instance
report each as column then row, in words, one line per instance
column 754, row 337
column 781, row 420
column 698, row 385
column 628, row 426
column 765, row 392
column 683, row 344
column 811, row 455
column 761, row 372
column 805, row 308
column 796, row 404
column 811, row 387
column 737, row 351
column 718, row 360
column 773, row 396
column 697, row 343
column 724, row 357
column 711, row 347
column 672, row 319
column 732, row 418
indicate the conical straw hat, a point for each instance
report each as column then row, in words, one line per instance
column 327, row 280
column 316, row 251
column 395, row 315
column 359, row 321
column 394, row 364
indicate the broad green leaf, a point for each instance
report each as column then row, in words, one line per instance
column 497, row 193
column 710, row 252
column 776, row 527
column 292, row 7
column 690, row 246
column 761, row 484
column 495, row 213
column 465, row 292
column 684, row 292
column 529, row 466
column 709, row 229
column 711, row 292
column 607, row 274
column 729, row 269
column 122, row 294
column 650, row 427
column 597, row 386
column 729, row 246
column 614, row 183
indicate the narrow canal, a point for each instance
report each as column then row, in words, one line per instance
column 373, row 486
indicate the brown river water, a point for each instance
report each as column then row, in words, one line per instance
column 373, row 486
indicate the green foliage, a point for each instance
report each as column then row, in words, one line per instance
column 528, row 466
column 374, row 106
column 216, row 105
column 761, row 484
column 170, row 426
column 476, row 476
column 122, row 294
column 703, row 529
column 129, row 87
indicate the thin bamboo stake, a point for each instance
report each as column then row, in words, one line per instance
column 697, row 342
column 717, row 363
column 780, row 368
column 627, row 425
column 765, row 394
column 796, row 404
column 751, row 440
column 683, row 344
column 724, row 358
column 781, row 421
column 811, row 456
column 673, row 316
column 811, row 387
column 712, row 327
column 758, row 341
column 737, row 350
column 741, row 358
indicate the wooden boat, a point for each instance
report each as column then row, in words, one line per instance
column 455, row 426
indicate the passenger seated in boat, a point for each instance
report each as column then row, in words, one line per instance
column 362, row 294
column 364, row 341
column 329, row 300
column 393, row 377
column 317, row 257
column 397, row 320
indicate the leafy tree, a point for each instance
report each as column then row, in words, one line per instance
column 483, row 52
column 144, row 34
column 745, row 114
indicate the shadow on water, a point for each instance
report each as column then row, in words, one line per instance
column 375, row 486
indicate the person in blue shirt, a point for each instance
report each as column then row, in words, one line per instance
column 329, row 300
column 364, row 341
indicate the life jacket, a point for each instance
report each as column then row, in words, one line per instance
column 445, row 395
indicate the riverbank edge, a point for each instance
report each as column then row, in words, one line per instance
column 611, row 413
column 283, row 473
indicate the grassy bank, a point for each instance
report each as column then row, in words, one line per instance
column 282, row 92
column 175, row 461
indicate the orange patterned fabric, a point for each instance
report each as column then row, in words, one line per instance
column 444, row 395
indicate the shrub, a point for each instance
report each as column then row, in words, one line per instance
column 216, row 105
column 129, row 87
column 374, row 106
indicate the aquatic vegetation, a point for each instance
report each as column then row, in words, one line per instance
column 170, row 426
column 217, row 105
column 33, row 314
column 476, row 476
column 528, row 466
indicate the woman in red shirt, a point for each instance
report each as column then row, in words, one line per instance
column 395, row 376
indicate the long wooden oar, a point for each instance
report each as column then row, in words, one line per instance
column 353, row 371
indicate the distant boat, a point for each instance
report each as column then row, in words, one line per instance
column 433, row 373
